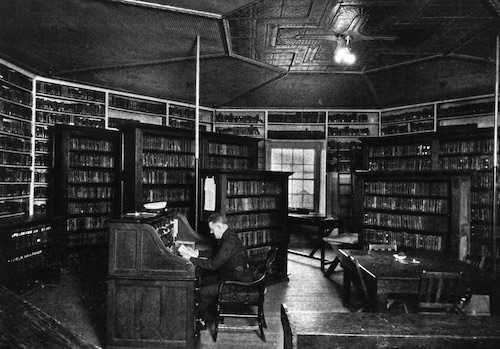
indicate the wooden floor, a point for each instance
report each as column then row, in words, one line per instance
column 78, row 303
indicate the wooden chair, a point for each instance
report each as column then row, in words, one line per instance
column 382, row 247
column 440, row 292
column 239, row 299
column 336, row 241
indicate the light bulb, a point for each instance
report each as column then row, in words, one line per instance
column 349, row 58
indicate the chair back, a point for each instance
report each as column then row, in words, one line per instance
column 382, row 247
column 439, row 292
column 271, row 257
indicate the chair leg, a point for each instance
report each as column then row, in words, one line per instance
column 332, row 267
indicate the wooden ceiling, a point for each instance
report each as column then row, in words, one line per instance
column 269, row 53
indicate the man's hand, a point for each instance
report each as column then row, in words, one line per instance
column 188, row 252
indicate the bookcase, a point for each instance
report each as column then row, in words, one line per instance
column 29, row 252
column 256, row 205
column 126, row 108
column 241, row 122
column 183, row 116
column 463, row 149
column 426, row 210
column 158, row 165
column 87, row 193
column 15, row 142
column 229, row 152
column 289, row 124
column 408, row 120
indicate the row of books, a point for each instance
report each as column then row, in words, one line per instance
column 93, row 192
column 481, row 146
column 29, row 261
column 420, row 149
column 481, row 198
column 436, row 224
column 228, row 163
column 12, row 174
column 305, row 134
column 86, row 223
column 348, row 132
column 15, row 144
column 434, row 188
column 228, row 149
column 481, row 214
column 349, row 117
column 407, row 127
column 407, row 204
column 90, row 176
column 253, row 188
column 80, row 143
column 14, row 190
column 402, row 239
column 15, row 159
column 425, row 113
column 484, row 162
column 250, row 204
column 245, row 118
column 485, row 107
column 13, row 206
column 481, row 230
column 297, row 117
column 15, row 77
column 52, row 118
column 15, row 127
column 59, row 90
column 415, row 164
column 81, row 108
column 151, row 159
column 249, row 130
column 95, row 122
column 14, row 94
column 15, row 110
column 482, row 180
column 257, row 237
column 93, row 160
column 142, row 106
column 40, row 192
column 252, row 220
column 168, row 144
column 88, row 238
column 42, row 146
column 32, row 236
column 160, row 176
column 167, row 194
column 184, row 112
column 43, row 159
column 90, row 207
column 42, row 131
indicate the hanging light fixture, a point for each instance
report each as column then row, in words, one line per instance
column 343, row 54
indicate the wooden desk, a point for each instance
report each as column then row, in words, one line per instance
column 383, row 274
column 24, row 326
column 325, row 224
column 325, row 330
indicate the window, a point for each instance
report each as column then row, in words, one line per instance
column 303, row 158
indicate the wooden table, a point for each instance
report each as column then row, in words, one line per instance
column 326, row 330
column 383, row 274
column 325, row 224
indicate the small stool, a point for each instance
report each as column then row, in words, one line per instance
column 336, row 241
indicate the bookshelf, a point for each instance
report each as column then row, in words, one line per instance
column 183, row 116
column 29, row 252
column 256, row 205
column 241, row 122
column 158, row 166
column 88, row 192
column 478, row 110
column 289, row 124
column 229, row 152
column 124, row 109
column 427, row 210
column 16, row 102
column 408, row 120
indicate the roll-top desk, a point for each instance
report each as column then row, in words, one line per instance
column 152, row 296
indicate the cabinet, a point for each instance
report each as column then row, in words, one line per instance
column 158, row 166
column 256, row 205
column 29, row 252
column 427, row 210
column 15, row 142
column 152, row 292
column 87, row 193
column 124, row 109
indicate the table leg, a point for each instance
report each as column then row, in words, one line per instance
column 346, row 287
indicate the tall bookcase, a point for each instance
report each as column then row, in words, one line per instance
column 159, row 165
column 427, row 210
column 87, row 193
column 256, row 204
column 16, row 129
column 463, row 149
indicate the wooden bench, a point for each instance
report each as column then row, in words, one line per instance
column 24, row 326
column 325, row 330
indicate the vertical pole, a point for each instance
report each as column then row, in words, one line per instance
column 197, row 137
column 494, row 234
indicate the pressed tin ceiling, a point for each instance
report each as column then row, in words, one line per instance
column 268, row 53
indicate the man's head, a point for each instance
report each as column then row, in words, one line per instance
column 217, row 222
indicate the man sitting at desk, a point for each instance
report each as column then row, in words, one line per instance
column 230, row 260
